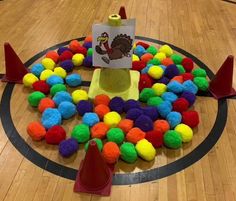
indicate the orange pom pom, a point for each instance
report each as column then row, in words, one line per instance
column 74, row 45
column 101, row 110
column 36, row 131
column 46, row 103
column 111, row 152
column 88, row 39
column 52, row 55
column 126, row 125
column 167, row 62
column 101, row 99
column 161, row 125
column 134, row 135
column 146, row 57
column 178, row 78
column 99, row 130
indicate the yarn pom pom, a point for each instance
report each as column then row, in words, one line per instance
column 190, row 97
column 74, row 45
column 151, row 112
column 62, row 96
column 174, row 118
column 51, row 117
column 90, row 52
column 98, row 142
column 155, row 72
column 41, row 86
column 99, row 130
column 175, row 87
column 68, row 147
column 73, row 80
column 128, row 152
column 145, row 81
column 79, row 95
column 110, row 152
column 46, row 74
column 48, row 63
column 167, row 62
column 57, row 88
column 112, row 119
column 144, row 122
column 146, row 57
column 88, row 61
column 81, row 133
column 161, row 125
column 101, row 110
column 166, row 49
column 138, row 65
column 145, row 150
column 130, row 104
column 159, row 88
column 154, row 101
column 117, row 104
column 178, row 78
column 126, row 125
column 187, row 64
column 67, row 65
column 172, row 139
column 176, row 58
column 29, row 79
column 199, row 72
column 145, row 94
column 160, row 56
column 190, row 87
column 67, row 109
column 155, row 61
column 59, row 71
column 164, row 108
column 155, row 137
column 180, row 105
column 134, row 113
column 35, row 97
column 115, row 135
column 36, row 131
column 152, row 50
column 181, row 69
column 201, row 83
column 62, row 49
column 187, row 76
column 90, row 118
column 54, row 79
column 134, row 135
column 52, row 55
column 163, row 80
column 77, row 59
column 145, row 45
column 139, row 50
column 190, row 118
column 102, row 99
column 37, row 69
column 171, row 71
column 66, row 55
column 185, row 131
column 169, row 96
column 83, row 107
column 55, row 135
column 46, row 103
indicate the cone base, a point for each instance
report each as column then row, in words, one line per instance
column 5, row 79
column 218, row 95
column 131, row 93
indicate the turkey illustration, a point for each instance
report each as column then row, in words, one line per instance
column 120, row 47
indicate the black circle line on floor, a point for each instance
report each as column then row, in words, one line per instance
column 118, row 179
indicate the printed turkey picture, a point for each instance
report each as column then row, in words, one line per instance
column 112, row 46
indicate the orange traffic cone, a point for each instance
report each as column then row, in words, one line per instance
column 221, row 84
column 122, row 13
column 94, row 175
column 15, row 69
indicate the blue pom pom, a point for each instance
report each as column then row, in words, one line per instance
column 163, row 80
column 151, row 112
column 67, row 65
column 190, row 87
column 171, row 71
column 84, row 107
column 175, row 87
column 54, row 79
column 129, row 104
column 144, row 123
column 169, row 96
column 164, row 108
column 134, row 113
column 88, row 61
column 87, row 45
column 139, row 50
column 62, row 96
column 174, row 118
column 190, row 97
column 51, row 117
column 62, row 49
column 117, row 104
column 146, row 69
column 67, row 109
column 90, row 119
column 163, row 67
column 73, row 80
column 37, row 69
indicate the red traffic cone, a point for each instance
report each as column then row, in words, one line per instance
column 122, row 12
column 15, row 69
column 221, row 84
column 94, row 175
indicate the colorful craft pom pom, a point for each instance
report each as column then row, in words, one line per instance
column 128, row 152
column 185, row 132
column 112, row 119
column 145, row 150
column 81, row 133
column 36, row 131
column 111, row 152
column 99, row 130
column 134, row 135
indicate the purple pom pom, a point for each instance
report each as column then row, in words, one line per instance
column 171, row 71
column 87, row 45
column 84, row 107
column 144, row 123
column 68, row 147
column 163, row 80
column 129, row 104
column 134, row 113
column 67, row 65
column 117, row 104
column 151, row 112
column 88, row 61
column 190, row 97
column 62, row 49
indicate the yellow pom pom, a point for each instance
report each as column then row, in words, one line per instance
column 155, row 72
column 46, row 74
column 112, row 119
column 159, row 88
column 135, row 57
column 185, row 131
column 60, row 72
column 29, row 79
column 134, row 45
column 78, row 59
column 79, row 95
column 48, row 63
column 160, row 56
column 145, row 150
column 166, row 49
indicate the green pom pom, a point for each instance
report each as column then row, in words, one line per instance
column 181, row 69
column 154, row 101
column 199, row 72
column 172, row 139
column 154, row 61
column 115, row 135
column 90, row 52
column 56, row 88
column 99, row 144
column 151, row 49
column 81, row 133
column 146, row 93
column 35, row 97
column 128, row 152
column 176, row 58
column 202, row 83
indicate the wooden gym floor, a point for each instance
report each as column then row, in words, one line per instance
column 206, row 29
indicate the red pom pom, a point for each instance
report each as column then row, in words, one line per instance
column 190, row 118
column 52, row 55
column 81, row 50
column 74, row 45
column 138, row 65
column 145, row 45
column 55, row 135
column 66, row 55
column 180, row 105
column 155, row 137
column 145, row 81
column 41, row 86
column 187, row 63
column 187, row 76
column 146, row 57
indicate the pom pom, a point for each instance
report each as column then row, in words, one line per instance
column 78, row 59
column 160, row 56
column 88, row 61
column 169, row 96
column 146, row 69
column 190, row 87
column 187, row 64
column 190, row 97
column 59, row 71
column 151, row 112
column 201, row 83
column 199, row 72
column 52, row 55
column 134, row 135
column 146, row 94
column 146, row 57
column 171, row 71
column 115, row 135
column 144, row 123
column 154, row 101
column 190, row 118
column 50, row 118
column 117, row 104
column 62, row 96
column 29, row 79
column 88, row 39
column 138, row 65
column 84, row 107
column 37, row 69
column 135, row 57
column 101, row 110
column 134, row 113
column 35, row 97
column 74, row 45
column 175, row 87
column 46, row 74
column 81, row 50
column 128, row 152
column 90, row 118
column 177, row 59
column 126, row 125
column 62, row 49
column 98, row 142
column 36, row 131
column 81, row 133
column 159, row 88
column 41, row 86
column 178, row 79
column 67, row 65
column 90, row 52
column 180, row 68
column 152, row 50
column 145, row 81
column 54, row 79
column 166, row 49
column 167, row 62
column 110, row 152
column 112, row 119
column 163, row 80
column 164, row 108
column 87, row 45
column 55, row 135
column 68, row 147
column 57, row 88
column 101, row 99
column 73, row 80
column 79, row 95
column 185, row 131
column 130, row 104
column 187, row 76
column 174, row 118
column 180, row 105
column 139, row 50
column 161, row 125
column 99, row 130
column 145, row 150
column 67, row 109
column 155, row 72
column 154, row 61
column 172, row 139
column 45, row 103
column 145, row 45
column 66, row 55
column 48, row 63
column 155, row 138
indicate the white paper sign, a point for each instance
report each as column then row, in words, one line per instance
column 112, row 45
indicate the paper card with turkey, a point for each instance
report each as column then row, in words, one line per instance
column 112, row 46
